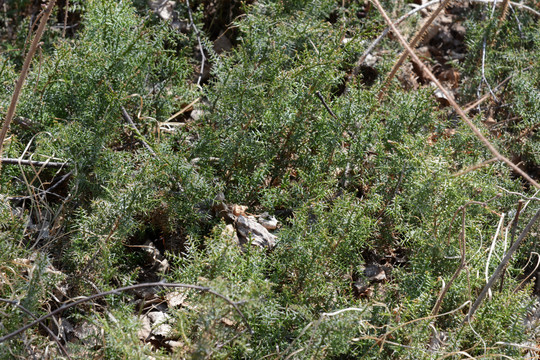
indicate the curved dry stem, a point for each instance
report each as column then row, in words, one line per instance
column 419, row 36
column 122, row 289
column 451, row 100
column 24, row 72
column 49, row 331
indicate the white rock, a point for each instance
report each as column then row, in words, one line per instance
column 250, row 229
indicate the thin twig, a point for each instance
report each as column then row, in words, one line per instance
column 512, row 236
column 24, row 72
column 33, row 163
column 501, row 266
column 372, row 46
column 531, row 273
column 518, row 5
column 318, row 93
column 477, row 166
column 198, row 35
column 49, row 331
column 462, row 245
column 487, row 95
column 122, row 289
column 183, row 110
column 518, row 194
column 130, row 121
column 451, row 100
column 419, row 35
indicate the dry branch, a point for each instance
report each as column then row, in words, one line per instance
column 130, row 121
column 34, row 163
column 24, row 72
column 451, row 100
column 416, row 39
column 45, row 327
column 501, row 266
column 119, row 290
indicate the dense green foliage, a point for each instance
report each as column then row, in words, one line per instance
column 378, row 182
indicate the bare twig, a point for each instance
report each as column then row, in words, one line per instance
column 50, row 164
column 372, row 46
column 419, row 35
column 24, row 72
column 477, row 166
column 183, row 110
column 45, row 192
column 486, row 96
column 517, row 5
column 451, row 100
column 318, row 93
column 531, row 273
column 518, row 194
column 49, row 331
column 130, row 121
column 462, row 245
column 512, row 236
column 460, row 267
column 501, row 266
column 122, row 289
column 201, row 48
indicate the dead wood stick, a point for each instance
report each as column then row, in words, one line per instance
column 130, row 121
column 419, row 36
column 51, row 164
column 122, row 289
column 501, row 266
column 318, row 93
column 24, row 72
column 451, row 100
column 45, row 327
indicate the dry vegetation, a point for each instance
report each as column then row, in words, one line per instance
column 269, row 179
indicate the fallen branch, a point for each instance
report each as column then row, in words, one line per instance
column 419, row 36
column 319, row 95
column 49, row 331
column 130, row 121
column 24, row 72
column 451, row 100
column 119, row 290
column 33, row 163
column 201, row 48
column 500, row 268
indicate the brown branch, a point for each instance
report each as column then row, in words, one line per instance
column 319, row 95
column 127, row 288
column 130, row 121
column 477, row 166
column 419, row 36
column 451, row 100
column 24, row 72
column 49, row 331
column 462, row 248
column 51, row 164
column 501, row 266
